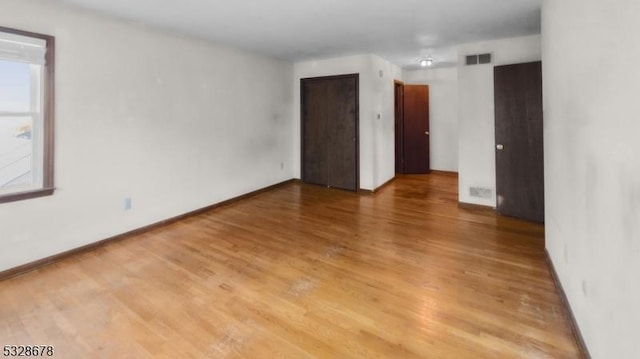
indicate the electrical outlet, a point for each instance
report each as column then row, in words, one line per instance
column 281, row 165
column 127, row 203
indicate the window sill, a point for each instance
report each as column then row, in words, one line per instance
column 19, row 196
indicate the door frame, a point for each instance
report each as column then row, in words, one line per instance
column 355, row 76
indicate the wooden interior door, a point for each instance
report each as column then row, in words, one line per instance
column 398, row 119
column 342, row 132
column 314, row 130
column 330, row 131
column 519, row 141
column 415, row 129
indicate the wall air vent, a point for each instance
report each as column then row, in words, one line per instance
column 478, row 59
column 480, row 192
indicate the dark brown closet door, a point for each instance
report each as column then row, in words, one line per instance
column 416, row 129
column 330, row 131
column 519, row 146
column 342, row 133
column 314, row 132
column 399, row 119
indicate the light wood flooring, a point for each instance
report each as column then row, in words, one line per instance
column 303, row 271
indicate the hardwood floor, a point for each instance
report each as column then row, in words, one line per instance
column 304, row 272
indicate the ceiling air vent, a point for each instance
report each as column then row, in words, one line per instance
column 478, row 59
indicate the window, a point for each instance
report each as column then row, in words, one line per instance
column 26, row 114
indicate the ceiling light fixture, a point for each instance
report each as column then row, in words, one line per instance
column 426, row 62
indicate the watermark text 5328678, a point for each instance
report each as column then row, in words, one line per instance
column 18, row 351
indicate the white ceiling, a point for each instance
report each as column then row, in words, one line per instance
column 401, row 31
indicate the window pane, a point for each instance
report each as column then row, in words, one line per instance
column 15, row 87
column 16, row 151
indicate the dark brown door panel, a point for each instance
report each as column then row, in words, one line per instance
column 415, row 129
column 330, row 131
column 519, row 141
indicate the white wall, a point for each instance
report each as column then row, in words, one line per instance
column 592, row 166
column 175, row 124
column 476, row 153
column 376, row 98
column 443, row 114
column 384, row 127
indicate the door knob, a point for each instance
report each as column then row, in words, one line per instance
column 426, row 133
column 500, row 147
